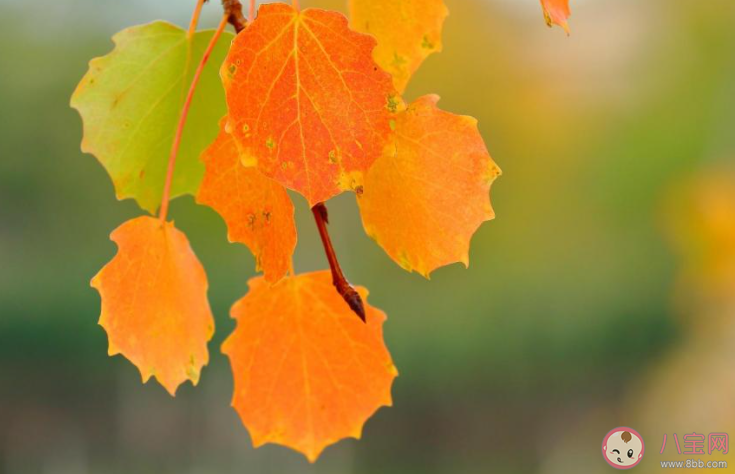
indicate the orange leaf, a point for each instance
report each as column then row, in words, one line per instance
column 423, row 202
column 154, row 302
column 258, row 211
column 556, row 12
column 307, row 371
column 307, row 103
column 408, row 31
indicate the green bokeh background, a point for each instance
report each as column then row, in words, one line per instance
column 569, row 297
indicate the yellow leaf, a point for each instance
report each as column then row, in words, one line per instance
column 423, row 201
column 408, row 31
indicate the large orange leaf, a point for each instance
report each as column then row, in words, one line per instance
column 307, row 371
column 307, row 103
column 408, row 31
column 556, row 12
column 258, row 211
column 423, row 201
column 154, row 302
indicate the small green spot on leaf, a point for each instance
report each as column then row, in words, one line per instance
column 426, row 43
column 399, row 61
column 392, row 103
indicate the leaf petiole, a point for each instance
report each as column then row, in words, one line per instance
column 185, row 110
column 195, row 18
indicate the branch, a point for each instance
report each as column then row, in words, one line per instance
column 344, row 288
column 233, row 10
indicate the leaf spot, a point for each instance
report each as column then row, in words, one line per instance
column 392, row 103
column 426, row 44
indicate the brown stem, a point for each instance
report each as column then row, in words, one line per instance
column 233, row 8
column 344, row 288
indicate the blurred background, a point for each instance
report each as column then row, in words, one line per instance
column 603, row 294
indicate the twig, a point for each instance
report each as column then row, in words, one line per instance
column 344, row 288
column 233, row 10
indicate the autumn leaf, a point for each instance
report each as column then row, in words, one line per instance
column 307, row 103
column 154, row 302
column 258, row 211
column 130, row 101
column 408, row 31
column 307, row 371
column 556, row 12
column 423, row 201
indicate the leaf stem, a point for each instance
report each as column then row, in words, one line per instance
column 184, row 114
column 296, row 5
column 195, row 18
column 251, row 11
column 343, row 287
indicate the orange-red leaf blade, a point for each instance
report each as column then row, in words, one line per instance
column 154, row 302
column 307, row 103
column 556, row 12
column 258, row 211
column 307, row 371
column 423, row 202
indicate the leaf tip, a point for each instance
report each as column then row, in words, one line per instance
column 170, row 387
column 556, row 12
column 112, row 349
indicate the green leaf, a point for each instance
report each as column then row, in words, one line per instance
column 130, row 101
